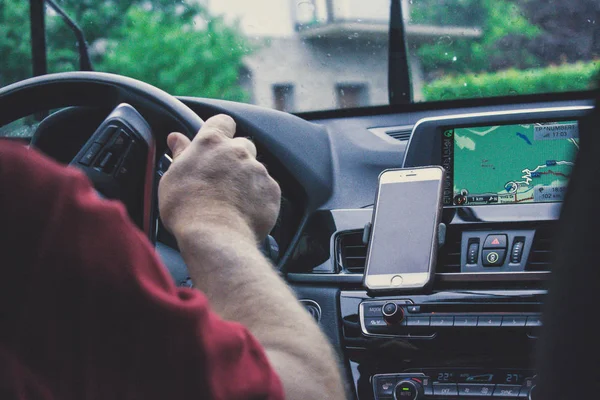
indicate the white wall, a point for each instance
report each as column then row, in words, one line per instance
column 315, row 68
column 257, row 17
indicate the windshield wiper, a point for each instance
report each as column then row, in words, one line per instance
column 38, row 37
column 85, row 63
column 399, row 89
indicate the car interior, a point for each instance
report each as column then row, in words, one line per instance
column 507, row 310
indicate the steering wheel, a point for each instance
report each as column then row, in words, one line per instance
column 120, row 157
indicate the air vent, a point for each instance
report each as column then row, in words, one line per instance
column 399, row 135
column 541, row 254
column 351, row 252
column 449, row 254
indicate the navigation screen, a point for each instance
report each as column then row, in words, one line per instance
column 503, row 164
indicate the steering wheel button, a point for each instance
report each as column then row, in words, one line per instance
column 120, row 143
column 106, row 134
column 91, row 154
column 105, row 160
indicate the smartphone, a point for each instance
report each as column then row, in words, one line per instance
column 403, row 243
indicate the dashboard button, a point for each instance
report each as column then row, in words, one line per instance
column 514, row 321
column 534, row 321
column 445, row 389
column 442, row 321
column 489, row 321
column 372, row 310
column 473, row 252
column 465, row 321
column 427, row 386
column 409, row 390
column 469, row 389
column 417, row 321
column 376, row 325
column 517, row 250
column 493, row 258
column 495, row 242
column 507, row 391
column 414, row 309
column 384, row 386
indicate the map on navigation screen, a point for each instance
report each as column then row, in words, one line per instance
column 509, row 163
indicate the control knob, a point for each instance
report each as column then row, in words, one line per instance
column 532, row 393
column 408, row 390
column 392, row 313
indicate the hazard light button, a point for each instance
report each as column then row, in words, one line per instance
column 495, row 242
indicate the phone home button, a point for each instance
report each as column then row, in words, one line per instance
column 396, row 280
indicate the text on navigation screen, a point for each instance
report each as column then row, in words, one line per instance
column 529, row 163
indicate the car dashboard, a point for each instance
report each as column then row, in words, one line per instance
column 472, row 334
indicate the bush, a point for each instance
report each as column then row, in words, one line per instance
column 563, row 78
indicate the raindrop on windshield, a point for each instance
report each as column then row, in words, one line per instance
column 512, row 92
column 355, row 34
column 306, row 7
column 454, row 58
column 445, row 40
column 465, row 84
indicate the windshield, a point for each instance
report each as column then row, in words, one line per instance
column 306, row 55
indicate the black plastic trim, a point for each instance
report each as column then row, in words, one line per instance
column 325, row 278
column 443, row 277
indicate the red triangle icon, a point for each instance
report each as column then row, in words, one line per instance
column 495, row 241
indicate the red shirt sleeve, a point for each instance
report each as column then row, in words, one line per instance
column 88, row 311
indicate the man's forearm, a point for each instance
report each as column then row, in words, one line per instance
column 242, row 286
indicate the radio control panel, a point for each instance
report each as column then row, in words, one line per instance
column 403, row 318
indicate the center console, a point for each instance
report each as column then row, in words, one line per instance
column 442, row 345
column 473, row 334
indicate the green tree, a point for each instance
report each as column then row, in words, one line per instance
column 571, row 31
column 154, row 40
column 15, row 51
column 502, row 24
column 101, row 20
column 178, row 56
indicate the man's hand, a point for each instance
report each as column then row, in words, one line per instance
column 219, row 201
column 216, row 180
